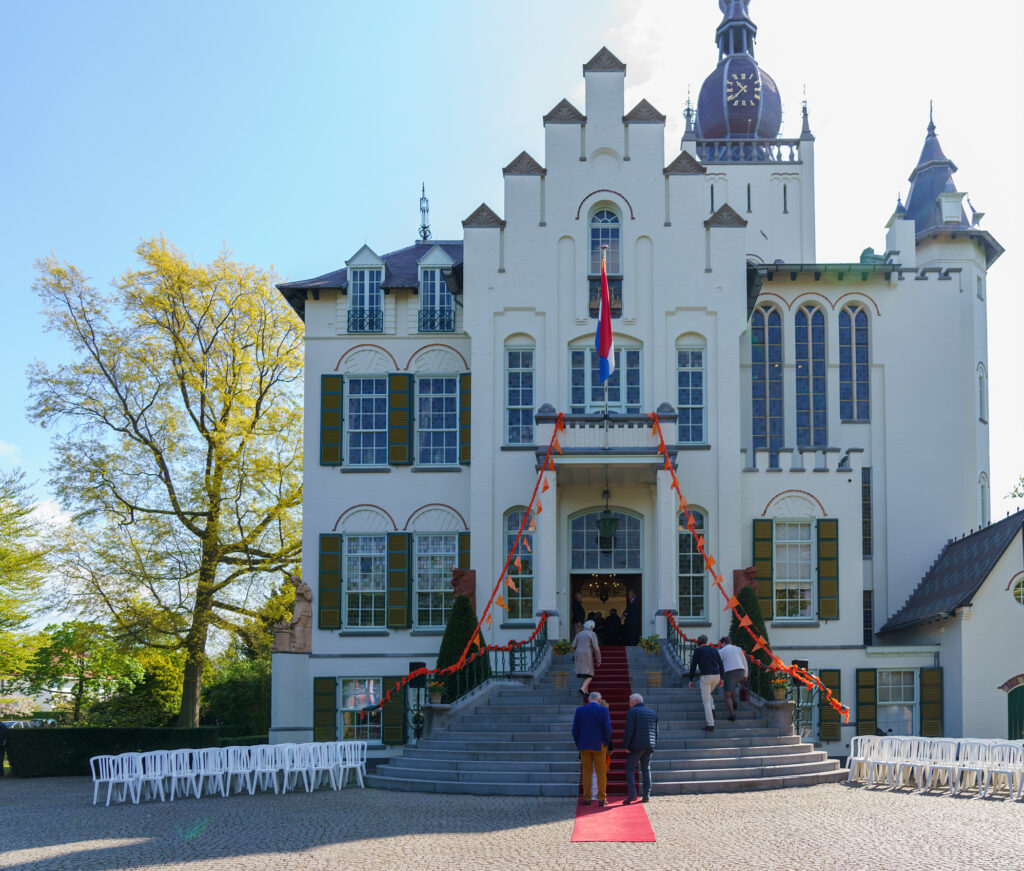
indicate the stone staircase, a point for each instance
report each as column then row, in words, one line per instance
column 517, row 741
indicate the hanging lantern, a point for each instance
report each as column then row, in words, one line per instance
column 607, row 524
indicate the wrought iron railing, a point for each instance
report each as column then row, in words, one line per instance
column 679, row 646
column 365, row 320
column 437, row 320
column 804, row 700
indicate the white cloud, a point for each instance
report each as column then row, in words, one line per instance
column 50, row 514
column 9, row 454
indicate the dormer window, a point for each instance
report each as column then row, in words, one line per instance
column 365, row 301
column 437, row 305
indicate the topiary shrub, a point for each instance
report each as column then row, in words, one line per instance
column 457, row 633
column 759, row 678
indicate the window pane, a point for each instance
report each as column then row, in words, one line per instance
column 435, row 558
column 366, row 424
column 519, row 397
column 437, row 424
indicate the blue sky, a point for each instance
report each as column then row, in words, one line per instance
column 292, row 133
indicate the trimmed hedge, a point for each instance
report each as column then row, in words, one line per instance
column 65, row 752
column 243, row 741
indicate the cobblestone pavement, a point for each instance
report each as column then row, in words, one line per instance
column 50, row 823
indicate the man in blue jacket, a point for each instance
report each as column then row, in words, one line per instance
column 592, row 732
column 707, row 661
column 640, row 739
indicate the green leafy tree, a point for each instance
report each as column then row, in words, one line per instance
column 759, row 678
column 22, row 555
column 238, row 694
column 457, row 633
column 153, row 701
column 78, row 665
column 255, row 640
column 179, row 434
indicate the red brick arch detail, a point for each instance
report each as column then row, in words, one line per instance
column 814, row 293
column 380, row 348
column 776, row 296
column 623, row 197
column 1012, row 683
column 810, row 496
column 454, row 511
column 860, row 296
column 1014, row 580
column 383, row 511
column 423, row 348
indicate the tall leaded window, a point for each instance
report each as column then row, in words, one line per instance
column 605, row 230
column 366, row 421
column 587, row 554
column 356, row 695
column 766, row 379
column 983, row 516
column 437, row 305
column 982, row 394
column 793, row 581
column 365, row 580
column 519, row 396
column 854, row 366
column 365, row 301
column 692, row 574
column 811, row 378
column 437, row 421
column 897, row 700
column 520, row 600
column 865, row 512
column 691, row 396
column 587, row 393
column 436, row 556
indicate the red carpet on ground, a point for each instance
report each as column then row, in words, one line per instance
column 614, row 822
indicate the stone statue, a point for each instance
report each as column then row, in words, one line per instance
column 297, row 636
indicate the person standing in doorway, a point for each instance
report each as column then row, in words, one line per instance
column 587, row 656
column 709, row 663
column 579, row 616
column 640, row 739
column 734, row 661
column 631, row 619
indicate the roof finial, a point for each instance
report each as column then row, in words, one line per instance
column 805, row 129
column 931, row 117
column 688, row 114
column 424, row 214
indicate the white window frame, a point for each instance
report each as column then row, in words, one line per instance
column 435, row 296
column 613, row 259
column 348, row 428
column 701, row 528
column 363, row 727
column 444, row 561
column 982, row 393
column 519, row 601
column 1017, row 591
column 419, row 421
column 785, row 583
column 360, row 584
column 983, row 494
column 896, row 697
column 692, row 348
column 619, row 406
column 509, row 407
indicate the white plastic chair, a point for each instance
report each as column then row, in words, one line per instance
column 972, row 761
column 943, row 762
column 861, row 747
column 883, row 758
column 212, row 769
column 911, row 760
column 183, row 773
column 267, row 766
column 111, row 771
column 149, row 770
column 239, row 770
column 297, row 762
column 323, row 763
column 1006, row 760
column 353, row 758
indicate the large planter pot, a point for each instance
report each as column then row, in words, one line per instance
column 560, row 679
column 653, row 679
column 779, row 693
column 435, row 698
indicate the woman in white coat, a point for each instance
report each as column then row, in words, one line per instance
column 588, row 656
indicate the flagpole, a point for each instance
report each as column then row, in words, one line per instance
column 604, row 252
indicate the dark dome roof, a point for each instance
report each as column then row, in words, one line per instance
column 716, row 119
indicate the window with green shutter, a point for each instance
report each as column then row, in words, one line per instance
column 328, row 598
column 763, row 554
column 828, row 569
column 464, row 417
column 393, row 719
column 829, row 721
column 331, row 399
column 325, row 709
column 399, row 615
column 463, row 550
column 931, row 702
column 400, row 419
column 867, row 701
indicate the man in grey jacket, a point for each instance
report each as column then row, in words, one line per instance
column 640, row 739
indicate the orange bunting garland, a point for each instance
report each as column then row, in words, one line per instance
column 556, row 445
column 500, row 602
column 487, row 619
column 539, row 508
column 511, row 586
column 732, row 603
column 745, row 621
column 518, row 563
column 546, row 486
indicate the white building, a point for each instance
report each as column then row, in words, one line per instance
column 827, row 421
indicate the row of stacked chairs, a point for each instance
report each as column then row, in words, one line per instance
column 227, row 770
column 956, row 763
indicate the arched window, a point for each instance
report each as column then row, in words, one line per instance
column 692, row 573
column 982, row 393
column 691, row 391
column 811, row 386
column 983, row 515
column 766, row 379
column 854, row 367
column 519, row 393
column 587, row 554
column 1018, row 591
column 519, row 600
column 605, row 230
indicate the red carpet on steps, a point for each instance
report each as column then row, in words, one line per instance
column 615, row 822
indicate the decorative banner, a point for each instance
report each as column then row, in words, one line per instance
column 500, row 602
column 518, row 564
column 546, row 486
column 511, row 586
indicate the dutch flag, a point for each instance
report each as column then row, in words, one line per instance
column 603, row 338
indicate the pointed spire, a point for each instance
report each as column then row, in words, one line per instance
column 688, row 113
column 900, row 208
column 805, row 131
column 424, row 214
column 932, row 176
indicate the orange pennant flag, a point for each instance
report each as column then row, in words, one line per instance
column 668, row 464
column 539, row 508
column 744, row 621
column 718, row 581
column 760, row 641
column 675, row 486
column 518, row 563
column 500, row 602
column 551, row 464
column 732, row 603
column 526, row 544
column 511, row 586
column 709, row 562
column 682, row 502
column 690, row 524
column 546, row 486
column 556, row 445
column 487, row 619
column 533, row 526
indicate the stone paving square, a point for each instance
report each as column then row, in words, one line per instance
column 50, row 824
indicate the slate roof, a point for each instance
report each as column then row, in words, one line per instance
column 401, row 269
column 932, row 175
column 957, row 574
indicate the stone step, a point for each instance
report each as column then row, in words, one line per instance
column 474, row 776
column 750, row 784
column 679, row 732
column 708, row 741
column 494, row 788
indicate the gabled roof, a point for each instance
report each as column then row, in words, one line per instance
column 565, row 113
column 604, row 62
column 401, row 269
column 644, row 113
column 726, row 216
column 957, row 574
column 685, row 164
column 524, row 164
column 483, row 216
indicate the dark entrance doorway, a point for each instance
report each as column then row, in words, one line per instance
column 604, row 594
column 1015, row 709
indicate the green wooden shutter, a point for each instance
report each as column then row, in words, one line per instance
column 828, row 569
column 392, row 717
column 931, row 702
column 328, row 597
column 325, row 709
column 400, row 419
column 829, row 721
column 332, row 389
column 465, row 405
column 399, row 603
column 763, row 556
column 463, row 550
column 867, row 701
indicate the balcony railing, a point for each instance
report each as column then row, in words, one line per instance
column 437, row 320
column 365, row 320
column 618, row 433
column 748, row 150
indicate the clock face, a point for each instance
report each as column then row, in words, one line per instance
column 743, row 90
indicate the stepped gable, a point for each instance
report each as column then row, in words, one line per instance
column 604, row 62
column 565, row 113
column 956, row 575
column 484, row 217
column 726, row 216
column 685, row 164
column 644, row 113
column 524, row 164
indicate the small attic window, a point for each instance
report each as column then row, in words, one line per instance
column 1018, row 591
